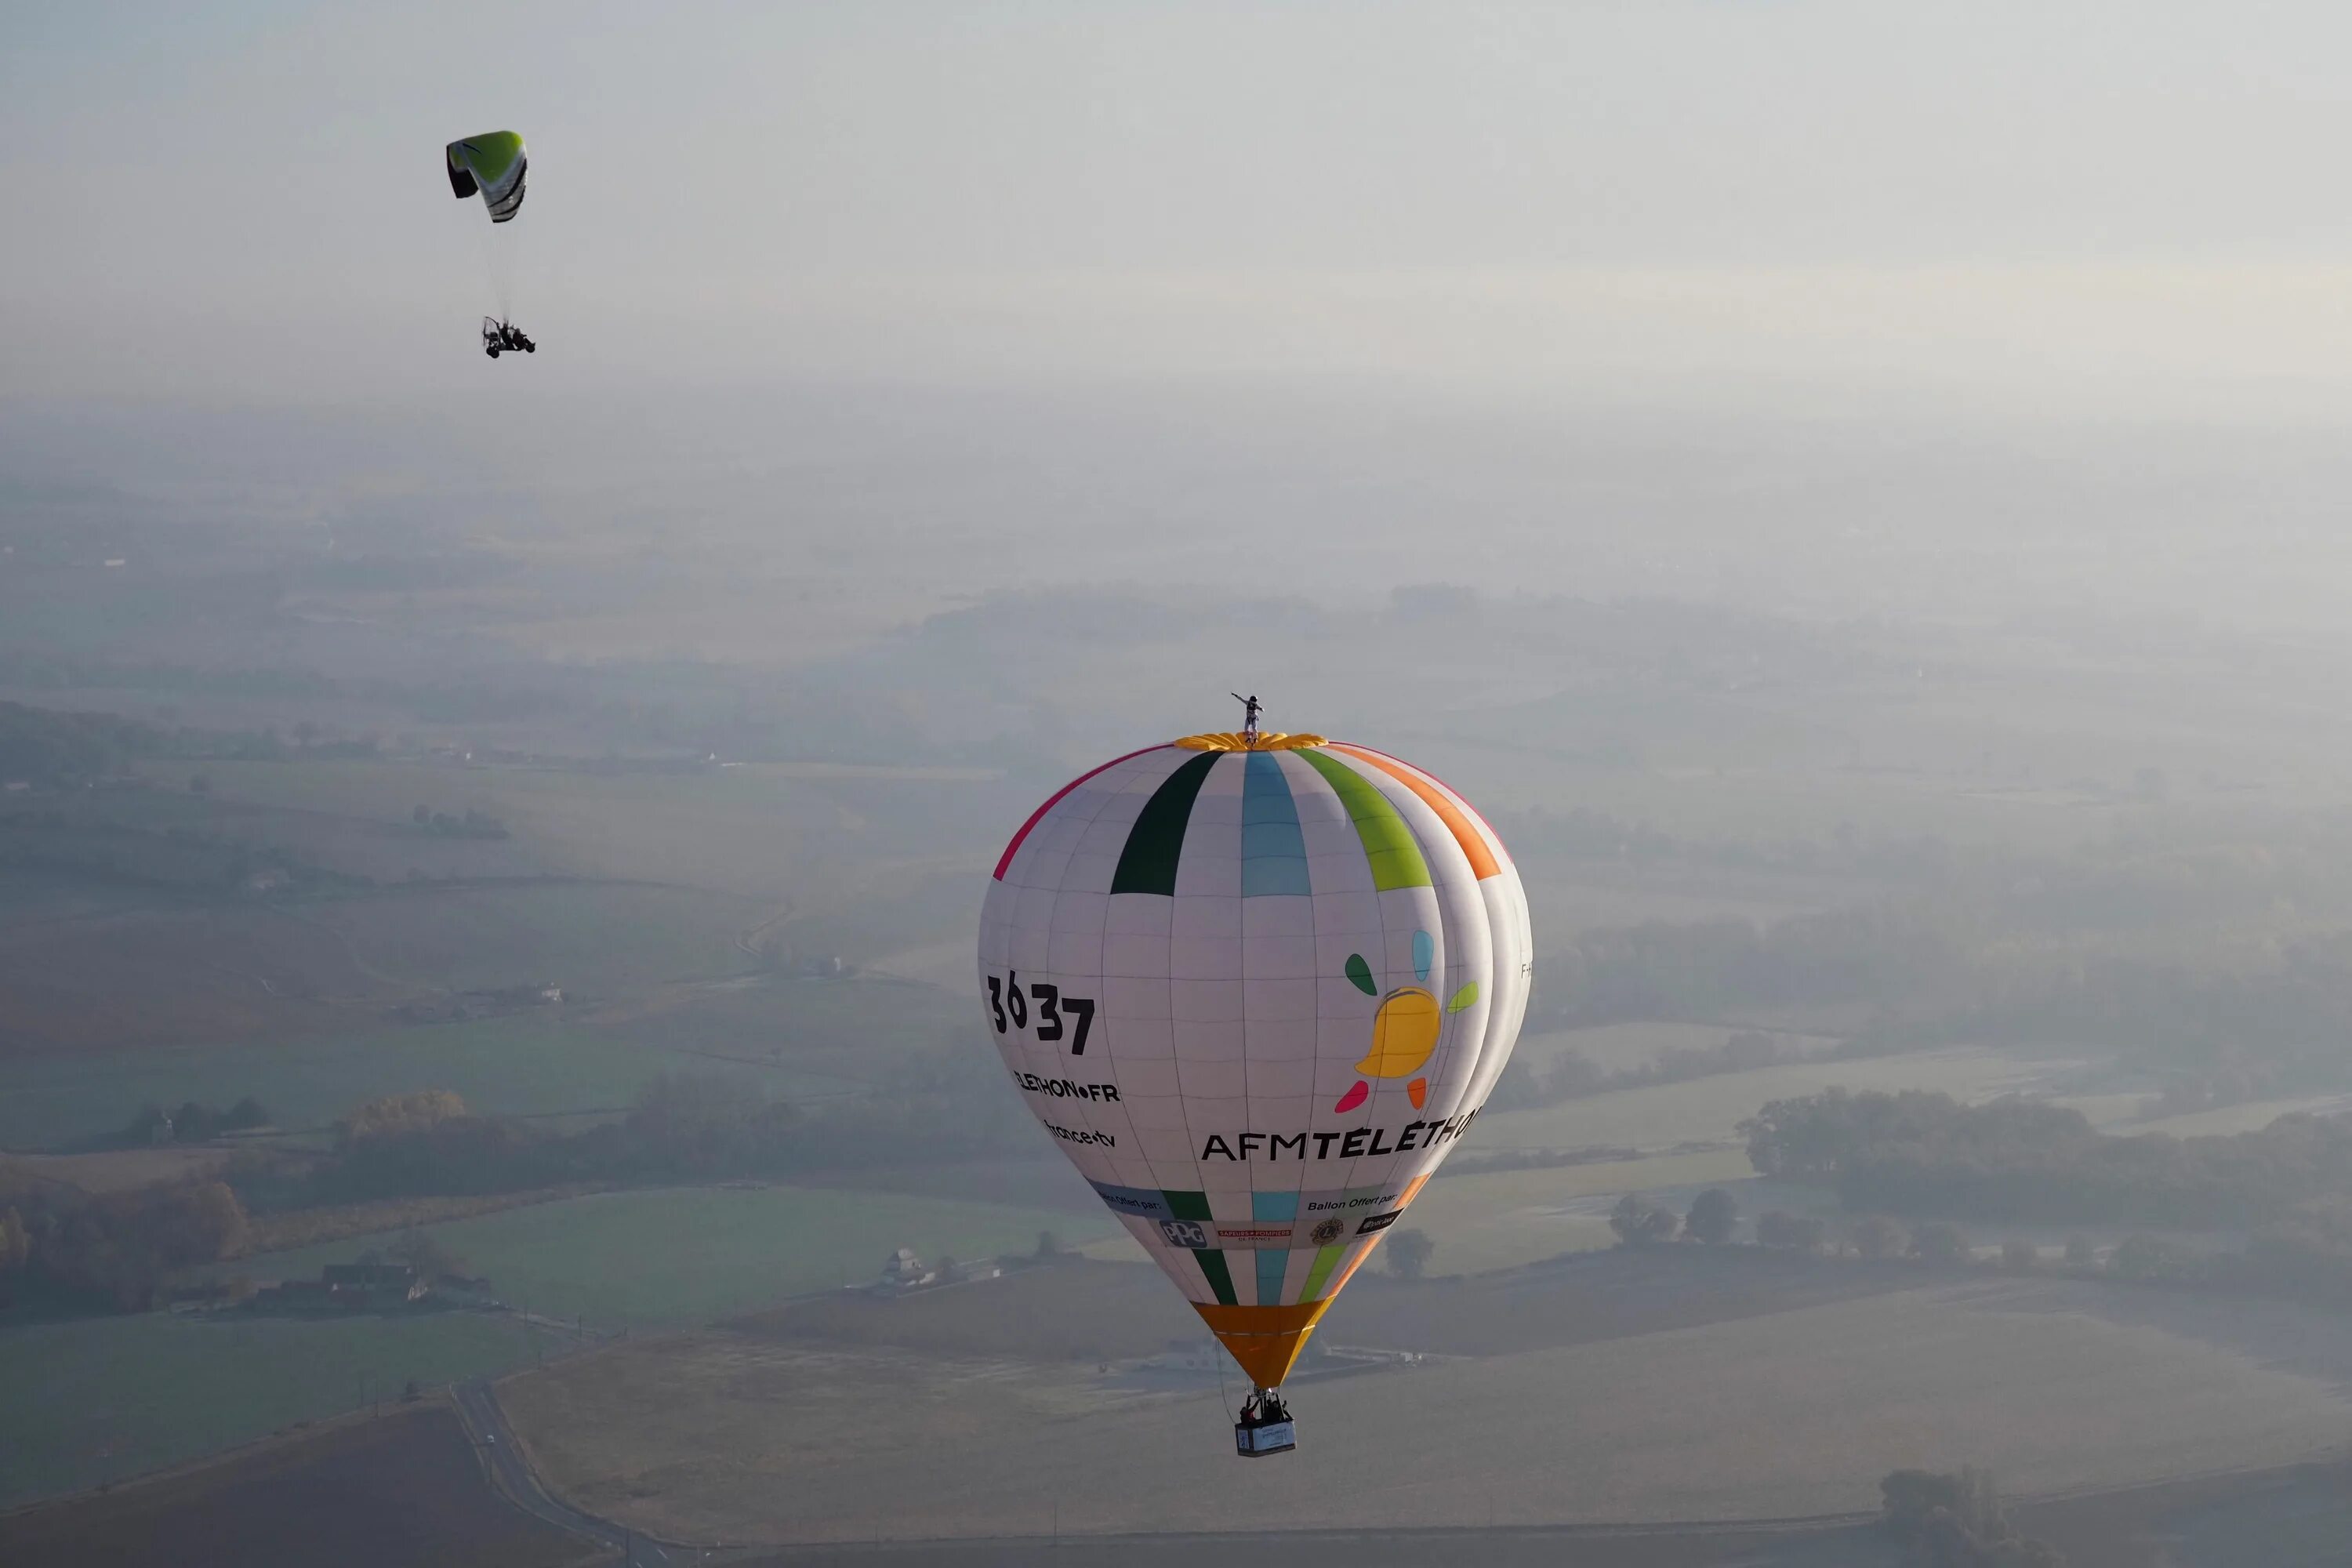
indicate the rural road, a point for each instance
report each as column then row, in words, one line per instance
column 486, row 1424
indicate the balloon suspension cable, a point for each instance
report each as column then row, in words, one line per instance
column 1249, row 706
column 1216, row 1355
column 1265, row 1405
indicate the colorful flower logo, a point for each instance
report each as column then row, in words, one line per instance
column 1406, row 1027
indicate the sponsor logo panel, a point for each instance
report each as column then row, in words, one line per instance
column 1191, row 1234
column 1248, row 1236
column 1145, row 1203
column 1360, row 1142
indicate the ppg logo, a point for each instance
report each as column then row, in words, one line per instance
column 1184, row 1233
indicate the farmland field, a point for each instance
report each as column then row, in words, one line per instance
column 177, row 975
column 513, row 1066
column 2252, row 1117
column 400, row 1490
column 1795, row 1412
column 684, row 1254
column 1501, row 1219
column 1706, row 1109
column 103, row 1399
column 1618, row 1047
column 168, row 977
column 791, row 1039
column 755, row 831
column 597, row 937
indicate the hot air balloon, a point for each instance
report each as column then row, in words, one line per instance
column 1256, row 986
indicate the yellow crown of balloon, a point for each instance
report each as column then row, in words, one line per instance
column 1234, row 740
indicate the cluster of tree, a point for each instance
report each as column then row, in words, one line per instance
column 1920, row 1153
column 182, row 859
column 45, row 672
column 52, row 750
column 403, row 574
column 1471, row 1162
column 49, row 749
column 1409, row 1250
column 1889, row 953
column 398, row 1114
column 1939, row 959
column 421, row 1250
column 193, row 1122
column 1581, row 832
column 1571, row 1075
column 114, row 1251
column 467, row 701
column 1639, row 1220
column 1956, row 1521
column 2223, row 1033
column 940, row 1106
column 473, row 825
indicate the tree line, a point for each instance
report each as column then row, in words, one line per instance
column 62, row 1248
column 1572, row 1075
column 51, row 749
column 680, row 1127
column 2288, row 1186
column 1923, row 1153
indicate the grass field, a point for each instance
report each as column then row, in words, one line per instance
column 1795, row 1412
column 399, row 1491
column 103, row 1399
column 685, row 1255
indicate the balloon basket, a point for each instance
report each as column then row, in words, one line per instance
column 1266, row 1426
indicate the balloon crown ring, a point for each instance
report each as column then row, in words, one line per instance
column 1237, row 740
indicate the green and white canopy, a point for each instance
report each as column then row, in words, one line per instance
column 493, row 164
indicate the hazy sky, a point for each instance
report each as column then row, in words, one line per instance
column 2133, row 206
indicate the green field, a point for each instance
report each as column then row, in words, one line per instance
column 685, row 1255
column 101, row 1399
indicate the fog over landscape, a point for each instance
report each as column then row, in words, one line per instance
column 491, row 849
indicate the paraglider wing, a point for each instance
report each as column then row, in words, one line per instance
column 493, row 164
column 1256, row 986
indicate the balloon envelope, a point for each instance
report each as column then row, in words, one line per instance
column 1256, row 988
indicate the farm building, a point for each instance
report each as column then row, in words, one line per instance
column 902, row 1270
